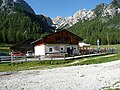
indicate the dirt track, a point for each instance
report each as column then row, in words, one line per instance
column 87, row 77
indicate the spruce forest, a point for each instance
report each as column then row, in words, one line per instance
column 107, row 30
column 19, row 25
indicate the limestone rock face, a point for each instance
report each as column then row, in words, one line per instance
column 102, row 10
column 10, row 4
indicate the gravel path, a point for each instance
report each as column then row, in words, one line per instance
column 87, row 77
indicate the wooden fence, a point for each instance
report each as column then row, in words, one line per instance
column 54, row 56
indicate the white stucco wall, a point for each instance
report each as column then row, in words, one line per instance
column 47, row 49
column 77, row 51
column 56, row 48
column 39, row 50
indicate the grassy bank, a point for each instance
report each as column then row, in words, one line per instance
column 54, row 64
column 31, row 65
column 99, row 59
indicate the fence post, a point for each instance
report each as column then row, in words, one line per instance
column 12, row 59
column 73, row 56
column 50, row 56
column 39, row 58
column 82, row 53
column 89, row 52
column 25, row 58
column 64, row 56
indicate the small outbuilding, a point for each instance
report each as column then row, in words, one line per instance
column 23, row 46
column 59, row 42
column 84, row 48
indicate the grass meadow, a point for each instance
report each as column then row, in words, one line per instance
column 19, row 66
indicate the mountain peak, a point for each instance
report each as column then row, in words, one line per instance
column 71, row 20
column 116, row 3
column 101, row 10
column 9, row 4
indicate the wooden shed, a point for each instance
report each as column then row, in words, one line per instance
column 23, row 46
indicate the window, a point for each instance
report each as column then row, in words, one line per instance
column 61, row 48
column 75, row 48
column 50, row 49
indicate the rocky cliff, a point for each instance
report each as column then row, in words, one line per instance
column 102, row 10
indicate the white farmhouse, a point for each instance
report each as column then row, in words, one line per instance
column 59, row 42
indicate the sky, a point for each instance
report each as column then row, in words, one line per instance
column 64, row 8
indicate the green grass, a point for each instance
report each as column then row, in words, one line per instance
column 112, row 89
column 32, row 65
column 100, row 59
column 4, row 48
column 54, row 64
column 5, row 45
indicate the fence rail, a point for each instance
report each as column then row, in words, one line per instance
column 53, row 56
